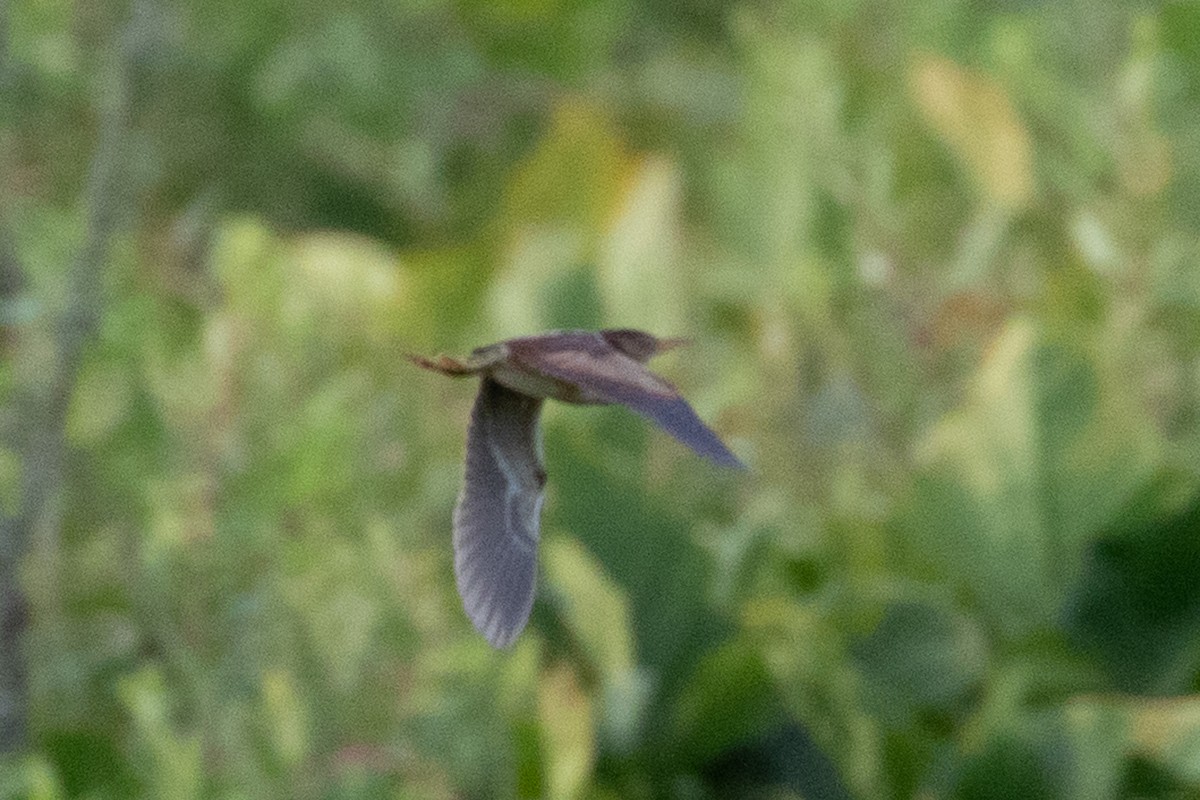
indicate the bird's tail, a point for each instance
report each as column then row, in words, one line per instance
column 442, row 364
column 672, row 342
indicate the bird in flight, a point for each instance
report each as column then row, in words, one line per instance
column 497, row 515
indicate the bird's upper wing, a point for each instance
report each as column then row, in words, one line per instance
column 496, row 519
column 597, row 367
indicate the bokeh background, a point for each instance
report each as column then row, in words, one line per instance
column 941, row 265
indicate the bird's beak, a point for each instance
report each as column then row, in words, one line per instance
column 671, row 343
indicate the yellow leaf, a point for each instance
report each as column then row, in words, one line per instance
column 285, row 713
column 355, row 279
column 977, row 121
column 1168, row 730
column 1162, row 730
column 573, row 177
column 568, row 739
column 557, row 208
column 638, row 271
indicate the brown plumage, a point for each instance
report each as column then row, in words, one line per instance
column 496, row 520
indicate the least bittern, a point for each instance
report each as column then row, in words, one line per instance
column 497, row 515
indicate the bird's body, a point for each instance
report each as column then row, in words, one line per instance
column 496, row 519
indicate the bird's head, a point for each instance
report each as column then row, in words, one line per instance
column 639, row 345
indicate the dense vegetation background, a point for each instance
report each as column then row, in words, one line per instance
column 941, row 262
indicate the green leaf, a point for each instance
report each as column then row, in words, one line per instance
column 595, row 609
column 31, row 778
column 920, row 658
column 728, row 700
column 1137, row 605
column 1038, row 459
column 646, row 550
column 1010, row 767
column 173, row 764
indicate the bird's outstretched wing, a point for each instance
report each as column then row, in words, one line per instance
column 598, row 368
column 496, row 519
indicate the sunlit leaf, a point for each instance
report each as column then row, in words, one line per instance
column 100, row 403
column 573, row 177
column 286, row 717
column 1168, row 730
column 1039, row 457
column 596, row 610
column 173, row 766
column 30, row 778
column 976, row 119
column 567, row 732
column 557, row 209
column 356, row 282
column 638, row 269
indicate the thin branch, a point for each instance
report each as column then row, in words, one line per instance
column 12, row 277
column 43, row 411
column 5, row 31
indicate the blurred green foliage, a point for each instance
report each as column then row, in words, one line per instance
column 941, row 262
